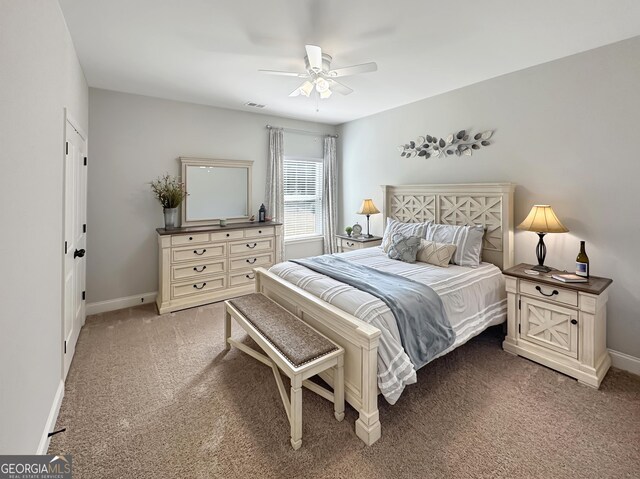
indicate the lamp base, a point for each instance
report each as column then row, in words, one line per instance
column 541, row 268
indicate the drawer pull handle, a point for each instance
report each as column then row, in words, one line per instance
column 252, row 260
column 196, row 286
column 199, row 270
column 227, row 235
column 259, row 232
column 350, row 244
column 79, row 253
column 250, row 276
column 251, row 247
column 195, row 251
column 190, row 238
column 574, row 321
column 553, row 293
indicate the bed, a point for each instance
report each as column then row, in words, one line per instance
column 474, row 298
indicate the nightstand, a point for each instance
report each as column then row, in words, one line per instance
column 560, row 325
column 349, row 243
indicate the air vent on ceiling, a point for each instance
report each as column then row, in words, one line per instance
column 254, row 105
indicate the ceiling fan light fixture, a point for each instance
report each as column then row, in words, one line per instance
column 306, row 88
column 325, row 94
column 322, row 85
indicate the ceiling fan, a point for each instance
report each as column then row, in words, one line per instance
column 320, row 76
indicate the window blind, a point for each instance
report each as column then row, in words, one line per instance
column 302, row 197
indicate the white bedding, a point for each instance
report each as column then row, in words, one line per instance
column 474, row 299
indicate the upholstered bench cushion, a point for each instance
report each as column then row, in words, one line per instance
column 294, row 339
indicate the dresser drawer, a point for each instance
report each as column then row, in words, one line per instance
column 265, row 259
column 249, row 246
column 198, row 252
column 207, row 285
column 549, row 293
column 180, row 240
column 227, row 235
column 258, row 232
column 239, row 279
column 197, row 270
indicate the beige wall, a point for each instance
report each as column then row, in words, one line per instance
column 566, row 133
column 134, row 139
column 39, row 77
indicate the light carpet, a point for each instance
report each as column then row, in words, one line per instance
column 153, row 396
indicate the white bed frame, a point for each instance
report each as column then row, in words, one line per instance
column 488, row 204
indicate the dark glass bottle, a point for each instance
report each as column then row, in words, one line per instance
column 582, row 262
column 262, row 214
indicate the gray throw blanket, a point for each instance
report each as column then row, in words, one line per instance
column 423, row 325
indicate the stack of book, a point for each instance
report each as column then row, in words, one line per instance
column 569, row 278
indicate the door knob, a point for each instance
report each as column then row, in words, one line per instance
column 574, row 321
column 79, row 253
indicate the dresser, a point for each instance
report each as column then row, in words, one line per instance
column 349, row 243
column 560, row 325
column 200, row 265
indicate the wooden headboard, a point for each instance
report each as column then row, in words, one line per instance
column 487, row 204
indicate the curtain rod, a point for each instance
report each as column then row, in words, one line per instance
column 306, row 132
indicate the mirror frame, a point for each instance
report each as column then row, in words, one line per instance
column 190, row 161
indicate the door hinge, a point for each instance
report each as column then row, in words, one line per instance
column 65, row 347
column 85, row 161
column 84, row 228
column 519, row 329
column 519, row 304
column 66, row 147
column 65, row 247
column 84, row 295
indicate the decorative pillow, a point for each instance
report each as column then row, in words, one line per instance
column 468, row 240
column 438, row 254
column 407, row 229
column 404, row 248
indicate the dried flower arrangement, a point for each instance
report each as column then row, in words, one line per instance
column 169, row 191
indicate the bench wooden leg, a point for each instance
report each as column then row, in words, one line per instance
column 338, row 389
column 296, row 412
column 227, row 329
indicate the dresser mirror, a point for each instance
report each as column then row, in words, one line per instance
column 216, row 189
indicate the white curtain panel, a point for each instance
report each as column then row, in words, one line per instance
column 275, row 179
column 330, row 198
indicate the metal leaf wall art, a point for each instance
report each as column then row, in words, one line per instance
column 458, row 144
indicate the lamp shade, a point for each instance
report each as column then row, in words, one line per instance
column 542, row 219
column 367, row 208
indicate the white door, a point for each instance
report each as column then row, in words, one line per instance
column 75, row 209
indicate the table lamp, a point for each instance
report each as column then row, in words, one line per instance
column 368, row 208
column 542, row 220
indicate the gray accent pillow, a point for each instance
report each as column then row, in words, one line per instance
column 468, row 241
column 407, row 229
column 404, row 248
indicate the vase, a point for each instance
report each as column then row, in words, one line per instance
column 170, row 218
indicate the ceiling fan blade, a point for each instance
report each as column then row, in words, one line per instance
column 354, row 70
column 286, row 74
column 314, row 54
column 339, row 87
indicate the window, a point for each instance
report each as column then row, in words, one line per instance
column 302, row 197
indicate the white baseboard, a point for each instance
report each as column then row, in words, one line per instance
column 120, row 303
column 625, row 361
column 51, row 420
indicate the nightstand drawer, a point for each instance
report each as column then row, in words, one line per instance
column 550, row 293
column 348, row 245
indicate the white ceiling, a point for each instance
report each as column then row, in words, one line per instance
column 209, row 51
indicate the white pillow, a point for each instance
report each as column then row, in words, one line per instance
column 438, row 254
column 468, row 241
column 406, row 229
